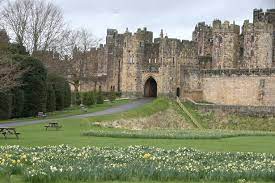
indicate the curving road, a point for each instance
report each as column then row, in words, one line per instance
column 112, row 110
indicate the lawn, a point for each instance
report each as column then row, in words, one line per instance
column 75, row 110
column 73, row 129
column 71, row 134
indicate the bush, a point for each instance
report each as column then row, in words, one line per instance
column 34, row 85
column 88, row 98
column 51, row 100
column 112, row 96
column 62, row 91
column 99, row 98
column 67, row 95
column 17, row 103
column 5, row 105
column 76, row 99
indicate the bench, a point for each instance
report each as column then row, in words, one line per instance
column 53, row 125
column 41, row 115
column 83, row 108
column 5, row 131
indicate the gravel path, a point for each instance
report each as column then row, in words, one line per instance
column 112, row 110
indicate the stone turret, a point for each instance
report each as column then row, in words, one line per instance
column 225, row 44
column 133, row 57
column 203, row 36
column 257, row 44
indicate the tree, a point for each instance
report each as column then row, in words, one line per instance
column 36, row 24
column 10, row 71
column 34, row 85
column 51, row 100
column 79, row 46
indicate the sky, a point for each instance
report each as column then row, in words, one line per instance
column 176, row 17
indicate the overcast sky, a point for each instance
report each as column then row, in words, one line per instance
column 177, row 17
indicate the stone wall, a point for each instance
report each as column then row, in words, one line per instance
column 225, row 45
column 253, row 89
column 257, row 45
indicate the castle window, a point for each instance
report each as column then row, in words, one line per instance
column 155, row 60
column 125, row 44
column 173, row 60
column 132, row 59
column 149, row 60
column 141, row 44
column 252, row 53
column 262, row 83
column 252, row 38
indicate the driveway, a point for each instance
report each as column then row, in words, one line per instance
column 112, row 110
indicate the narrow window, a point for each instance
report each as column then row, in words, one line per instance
column 155, row 60
column 149, row 60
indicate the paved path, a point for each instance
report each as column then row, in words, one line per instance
column 112, row 110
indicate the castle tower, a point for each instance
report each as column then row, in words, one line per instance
column 114, row 56
column 257, row 44
column 133, row 56
column 203, row 36
column 225, row 45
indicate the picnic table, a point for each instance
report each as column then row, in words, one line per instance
column 9, row 131
column 53, row 125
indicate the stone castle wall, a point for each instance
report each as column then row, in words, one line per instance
column 249, row 89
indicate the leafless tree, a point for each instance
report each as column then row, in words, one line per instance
column 37, row 24
column 10, row 73
column 79, row 46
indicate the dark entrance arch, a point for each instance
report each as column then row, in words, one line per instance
column 150, row 88
column 178, row 92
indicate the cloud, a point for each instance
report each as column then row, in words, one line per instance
column 177, row 18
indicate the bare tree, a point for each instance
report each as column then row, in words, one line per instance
column 10, row 73
column 79, row 46
column 37, row 25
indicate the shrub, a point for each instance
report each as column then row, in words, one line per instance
column 88, row 98
column 51, row 100
column 112, row 96
column 62, row 91
column 99, row 98
column 17, row 102
column 67, row 95
column 34, row 85
column 5, row 105
column 76, row 99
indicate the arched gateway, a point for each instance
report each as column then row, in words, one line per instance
column 150, row 88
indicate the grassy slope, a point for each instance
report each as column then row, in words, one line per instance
column 73, row 111
column 232, row 122
column 19, row 179
column 36, row 135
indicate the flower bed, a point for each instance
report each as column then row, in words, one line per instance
column 174, row 134
column 53, row 163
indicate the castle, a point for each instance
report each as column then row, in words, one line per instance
column 223, row 64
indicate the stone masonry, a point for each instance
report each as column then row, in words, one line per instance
column 223, row 63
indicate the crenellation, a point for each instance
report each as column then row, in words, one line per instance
column 223, row 64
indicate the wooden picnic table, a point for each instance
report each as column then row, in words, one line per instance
column 9, row 131
column 53, row 125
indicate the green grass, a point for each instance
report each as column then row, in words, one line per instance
column 75, row 110
column 173, row 134
column 71, row 133
column 20, row 179
column 157, row 105
column 212, row 120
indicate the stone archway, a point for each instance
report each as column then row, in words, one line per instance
column 150, row 88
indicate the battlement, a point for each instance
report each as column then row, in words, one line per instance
column 257, row 27
column 218, row 26
column 111, row 31
column 144, row 35
column 260, row 16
